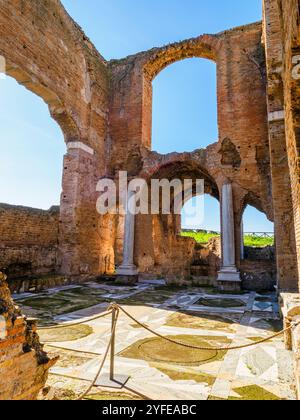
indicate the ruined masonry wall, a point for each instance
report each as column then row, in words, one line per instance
column 291, row 48
column 290, row 307
column 287, row 270
column 23, row 364
column 48, row 53
column 28, row 240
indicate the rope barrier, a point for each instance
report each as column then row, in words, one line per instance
column 73, row 324
column 115, row 309
column 52, row 346
column 85, row 393
column 190, row 346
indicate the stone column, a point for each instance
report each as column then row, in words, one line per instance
column 242, row 241
column 128, row 270
column 229, row 276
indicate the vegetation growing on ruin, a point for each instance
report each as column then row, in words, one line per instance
column 203, row 237
column 200, row 237
column 257, row 241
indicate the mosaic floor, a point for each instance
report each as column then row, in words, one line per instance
column 160, row 370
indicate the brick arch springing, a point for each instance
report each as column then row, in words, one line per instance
column 183, row 170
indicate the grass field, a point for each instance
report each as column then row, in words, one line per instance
column 256, row 241
column 250, row 240
column 200, row 237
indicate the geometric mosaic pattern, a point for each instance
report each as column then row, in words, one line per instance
column 159, row 371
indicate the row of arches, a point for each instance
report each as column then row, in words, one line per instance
column 184, row 119
column 184, row 107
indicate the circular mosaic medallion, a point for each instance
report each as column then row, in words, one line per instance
column 160, row 350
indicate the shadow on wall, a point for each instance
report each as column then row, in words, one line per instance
column 258, row 269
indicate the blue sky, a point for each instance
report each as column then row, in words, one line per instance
column 184, row 103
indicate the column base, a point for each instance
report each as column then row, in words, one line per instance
column 118, row 382
column 127, row 275
column 229, row 280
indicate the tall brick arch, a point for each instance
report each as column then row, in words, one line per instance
column 240, row 156
column 242, row 109
column 166, row 252
column 205, row 46
column 103, row 108
column 46, row 51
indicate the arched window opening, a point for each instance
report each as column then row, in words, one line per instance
column 200, row 219
column 257, row 231
column 185, row 107
column 32, row 149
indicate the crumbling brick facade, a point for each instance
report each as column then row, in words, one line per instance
column 281, row 179
column 105, row 112
column 28, row 240
column 23, row 363
column 290, row 40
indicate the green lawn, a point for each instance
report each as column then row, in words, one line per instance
column 200, row 237
column 250, row 240
column 259, row 242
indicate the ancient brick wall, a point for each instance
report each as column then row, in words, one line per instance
column 242, row 152
column 290, row 35
column 23, row 363
column 242, row 111
column 46, row 51
column 281, row 180
column 28, row 240
column 290, row 308
column 163, row 254
column 105, row 112
column 44, row 30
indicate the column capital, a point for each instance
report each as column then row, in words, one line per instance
column 81, row 146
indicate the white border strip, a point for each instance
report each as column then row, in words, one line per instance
column 276, row 116
column 82, row 146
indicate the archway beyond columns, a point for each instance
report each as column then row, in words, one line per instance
column 165, row 252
